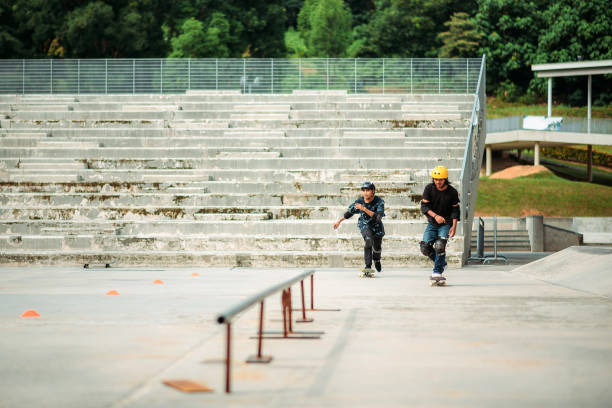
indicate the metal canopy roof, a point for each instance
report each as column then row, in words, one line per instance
column 563, row 69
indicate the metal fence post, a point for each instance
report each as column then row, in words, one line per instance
column 411, row 75
column 244, row 78
column 133, row 76
column 78, row 76
column 272, row 68
column 216, row 74
column 23, row 77
column 355, row 75
column 328, row 73
column 105, row 76
column 189, row 74
column 161, row 76
column 299, row 73
column 467, row 76
column 439, row 75
column 51, row 80
column 383, row 74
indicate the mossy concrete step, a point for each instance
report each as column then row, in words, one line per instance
column 94, row 200
column 290, row 259
column 263, row 186
column 132, row 173
column 188, row 227
column 234, row 142
column 196, row 213
column 208, row 242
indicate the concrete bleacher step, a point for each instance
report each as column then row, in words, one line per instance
column 150, row 174
column 244, row 141
column 195, row 213
column 262, row 187
column 275, row 258
column 93, row 200
column 262, row 107
column 279, row 158
column 207, row 242
column 278, row 228
column 257, row 116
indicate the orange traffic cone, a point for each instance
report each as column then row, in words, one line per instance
column 195, row 274
column 112, row 293
column 158, row 282
column 30, row 313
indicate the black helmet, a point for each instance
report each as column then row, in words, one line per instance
column 368, row 185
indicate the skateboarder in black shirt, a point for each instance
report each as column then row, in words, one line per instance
column 441, row 206
column 372, row 209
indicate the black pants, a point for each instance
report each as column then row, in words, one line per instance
column 372, row 248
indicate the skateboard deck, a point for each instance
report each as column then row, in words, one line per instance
column 437, row 281
column 367, row 273
column 99, row 264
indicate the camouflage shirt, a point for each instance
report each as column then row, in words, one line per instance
column 377, row 205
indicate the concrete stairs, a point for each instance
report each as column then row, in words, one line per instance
column 219, row 178
column 507, row 241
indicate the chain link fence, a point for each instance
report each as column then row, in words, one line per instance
column 172, row 76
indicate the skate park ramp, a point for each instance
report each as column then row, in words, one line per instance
column 578, row 267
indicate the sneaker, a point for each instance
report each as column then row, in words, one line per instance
column 378, row 266
column 436, row 275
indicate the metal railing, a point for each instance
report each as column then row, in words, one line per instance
column 230, row 314
column 250, row 75
column 568, row 124
column 472, row 159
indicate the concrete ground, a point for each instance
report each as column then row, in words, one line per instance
column 492, row 337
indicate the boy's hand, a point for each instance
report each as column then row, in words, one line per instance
column 451, row 232
column 337, row 224
column 359, row 206
column 440, row 219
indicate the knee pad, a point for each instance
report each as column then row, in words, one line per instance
column 439, row 246
column 426, row 248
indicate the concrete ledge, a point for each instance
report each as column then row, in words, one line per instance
column 285, row 259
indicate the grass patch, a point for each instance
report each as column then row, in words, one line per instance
column 543, row 194
column 500, row 109
column 596, row 148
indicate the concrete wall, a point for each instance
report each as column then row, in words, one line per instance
column 557, row 239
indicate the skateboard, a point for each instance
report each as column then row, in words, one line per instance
column 99, row 264
column 367, row 273
column 441, row 281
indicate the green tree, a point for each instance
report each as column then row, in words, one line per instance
column 461, row 39
column 324, row 29
column 196, row 41
column 295, row 43
column 114, row 29
column 10, row 46
column 575, row 30
column 405, row 28
column 37, row 24
column 330, row 35
column 90, row 30
column 511, row 30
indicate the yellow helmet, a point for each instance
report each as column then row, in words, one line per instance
column 439, row 172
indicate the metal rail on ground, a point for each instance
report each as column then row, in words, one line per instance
column 233, row 312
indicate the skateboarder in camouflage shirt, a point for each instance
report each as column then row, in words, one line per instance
column 441, row 206
column 372, row 209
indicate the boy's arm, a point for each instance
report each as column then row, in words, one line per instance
column 351, row 211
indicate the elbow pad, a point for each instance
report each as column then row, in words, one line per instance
column 347, row 215
column 456, row 213
column 425, row 207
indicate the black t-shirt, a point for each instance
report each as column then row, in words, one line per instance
column 441, row 202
